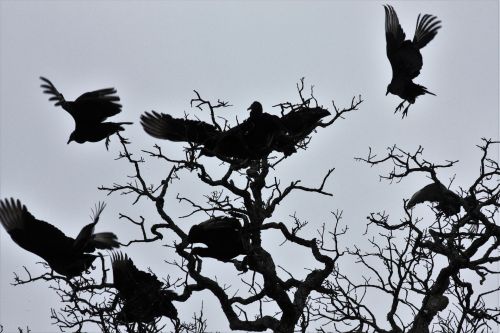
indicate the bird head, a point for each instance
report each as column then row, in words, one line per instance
column 256, row 107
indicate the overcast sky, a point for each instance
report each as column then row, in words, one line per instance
column 156, row 52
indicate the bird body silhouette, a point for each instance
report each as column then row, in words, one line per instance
column 89, row 112
column 223, row 236
column 448, row 202
column 142, row 294
column 65, row 255
column 405, row 57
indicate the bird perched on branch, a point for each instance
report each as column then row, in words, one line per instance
column 142, row 294
column 448, row 202
column 89, row 112
column 405, row 57
column 253, row 139
column 223, row 236
column 65, row 255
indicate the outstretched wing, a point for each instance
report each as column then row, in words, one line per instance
column 36, row 236
column 50, row 89
column 394, row 34
column 425, row 30
column 130, row 281
column 164, row 126
column 88, row 241
column 96, row 106
column 300, row 123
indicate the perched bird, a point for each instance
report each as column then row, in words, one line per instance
column 253, row 139
column 448, row 202
column 65, row 255
column 223, row 236
column 89, row 112
column 164, row 126
column 142, row 294
column 405, row 57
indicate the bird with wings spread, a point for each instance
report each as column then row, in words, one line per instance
column 89, row 112
column 65, row 255
column 405, row 57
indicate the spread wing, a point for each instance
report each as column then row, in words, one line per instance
column 50, row 89
column 130, row 281
column 164, row 126
column 394, row 34
column 426, row 30
column 96, row 106
column 36, row 236
column 90, row 107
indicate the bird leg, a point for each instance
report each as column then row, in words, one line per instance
column 107, row 142
column 400, row 106
column 405, row 112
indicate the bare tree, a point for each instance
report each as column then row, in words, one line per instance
column 430, row 266
column 430, row 273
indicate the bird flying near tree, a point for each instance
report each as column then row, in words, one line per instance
column 65, row 255
column 89, row 112
column 405, row 57
column 143, row 296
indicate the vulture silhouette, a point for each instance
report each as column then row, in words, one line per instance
column 65, row 255
column 164, row 126
column 89, row 112
column 448, row 202
column 405, row 57
column 223, row 236
column 142, row 294
column 253, row 139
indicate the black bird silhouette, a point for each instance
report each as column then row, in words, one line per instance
column 65, row 255
column 142, row 294
column 448, row 202
column 164, row 126
column 224, row 237
column 253, row 139
column 89, row 112
column 405, row 57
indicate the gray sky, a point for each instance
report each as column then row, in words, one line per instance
column 156, row 52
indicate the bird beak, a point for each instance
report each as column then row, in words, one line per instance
column 69, row 141
column 249, row 108
column 387, row 92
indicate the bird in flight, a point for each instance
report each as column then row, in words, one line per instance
column 405, row 57
column 65, row 255
column 142, row 294
column 89, row 112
